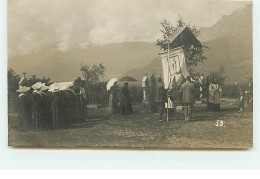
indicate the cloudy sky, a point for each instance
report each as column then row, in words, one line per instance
column 35, row 23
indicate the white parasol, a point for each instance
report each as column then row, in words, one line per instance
column 38, row 85
column 65, row 85
column 23, row 89
column 54, row 87
column 111, row 83
column 43, row 88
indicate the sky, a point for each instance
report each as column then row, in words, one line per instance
column 32, row 24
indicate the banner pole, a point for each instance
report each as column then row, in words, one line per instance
column 169, row 81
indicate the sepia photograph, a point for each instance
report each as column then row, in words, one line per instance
column 130, row 74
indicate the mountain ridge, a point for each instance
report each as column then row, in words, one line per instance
column 230, row 42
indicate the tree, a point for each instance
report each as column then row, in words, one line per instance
column 92, row 74
column 194, row 53
column 219, row 75
column 34, row 79
column 13, row 79
column 45, row 80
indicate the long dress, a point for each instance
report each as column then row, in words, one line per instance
column 70, row 107
column 45, row 111
column 25, row 113
column 125, row 106
column 54, row 110
column 214, row 97
column 57, row 108
column 36, row 107
column 113, row 100
column 83, row 98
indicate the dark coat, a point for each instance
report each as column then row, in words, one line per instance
column 125, row 106
column 187, row 90
column 160, row 93
column 25, row 111
column 36, row 107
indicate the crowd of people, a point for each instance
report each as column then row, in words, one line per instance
column 157, row 98
column 52, row 107
column 119, row 100
column 245, row 95
column 62, row 104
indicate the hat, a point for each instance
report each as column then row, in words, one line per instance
column 43, row 88
column 65, row 85
column 38, row 85
column 54, row 87
column 23, row 89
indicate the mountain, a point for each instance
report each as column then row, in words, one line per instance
column 237, row 24
column 230, row 42
column 64, row 66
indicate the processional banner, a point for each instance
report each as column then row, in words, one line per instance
column 174, row 67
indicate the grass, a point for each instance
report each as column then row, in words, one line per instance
column 142, row 130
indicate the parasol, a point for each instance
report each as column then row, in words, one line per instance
column 65, row 85
column 54, row 87
column 111, row 83
column 43, row 88
column 23, row 89
column 38, row 85
column 127, row 78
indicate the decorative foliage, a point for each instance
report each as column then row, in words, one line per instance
column 194, row 53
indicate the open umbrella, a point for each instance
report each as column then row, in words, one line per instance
column 111, row 83
column 127, row 78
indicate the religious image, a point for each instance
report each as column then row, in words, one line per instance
column 130, row 74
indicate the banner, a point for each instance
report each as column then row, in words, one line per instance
column 174, row 67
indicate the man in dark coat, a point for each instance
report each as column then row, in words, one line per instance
column 160, row 97
column 187, row 91
column 125, row 106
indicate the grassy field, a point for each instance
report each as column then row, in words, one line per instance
column 143, row 131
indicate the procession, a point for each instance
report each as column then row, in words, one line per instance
column 65, row 103
column 118, row 83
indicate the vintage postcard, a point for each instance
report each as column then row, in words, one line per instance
column 130, row 74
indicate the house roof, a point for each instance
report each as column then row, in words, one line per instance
column 182, row 36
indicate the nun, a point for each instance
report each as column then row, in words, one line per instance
column 25, row 112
